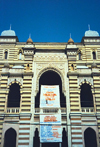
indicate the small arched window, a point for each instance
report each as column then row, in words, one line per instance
column 5, row 54
column 94, row 54
column 79, row 56
column 20, row 55
column 72, row 67
column 28, row 67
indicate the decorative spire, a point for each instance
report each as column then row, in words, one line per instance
column 88, row 26
column 70, row 35
column 30, row 35
column 10, row 26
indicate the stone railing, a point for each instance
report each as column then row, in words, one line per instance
column 50, row 110
column 13, row 110
column 87, row 109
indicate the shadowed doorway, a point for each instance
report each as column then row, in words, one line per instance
column 90, row 138
column 10, row 138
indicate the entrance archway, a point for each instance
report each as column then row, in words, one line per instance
column 50, row 78
column 90, row 138
column 10, row 138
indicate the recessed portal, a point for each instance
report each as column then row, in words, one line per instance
column 50, row 78
column 90, row 138
column 10, row 138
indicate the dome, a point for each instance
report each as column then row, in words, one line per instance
column 29, row 41
column 8, row 33
column 91, row 33
column 70, row 41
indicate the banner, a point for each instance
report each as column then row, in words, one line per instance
column 49, row 96
column 50, row 128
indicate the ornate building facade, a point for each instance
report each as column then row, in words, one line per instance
column 25, row 66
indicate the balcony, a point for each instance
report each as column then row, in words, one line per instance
column 87, row 109
column 13, row 110
column 50, row 110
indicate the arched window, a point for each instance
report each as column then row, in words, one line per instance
column 90, row 138
column 28, row 67
column 14, row 96
column 72, row 67
column 5, row 54
column 94, row 54
column 86, row 96
column 20, row 55
column 79, row 56
column 10, row 138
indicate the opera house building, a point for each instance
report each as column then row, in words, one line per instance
column 49, row 92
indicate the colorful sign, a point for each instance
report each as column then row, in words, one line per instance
column 49, row 96
column 50, row 128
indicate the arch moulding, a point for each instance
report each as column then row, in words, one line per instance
column 52, row 69
column 82, row 80
column 13, row 80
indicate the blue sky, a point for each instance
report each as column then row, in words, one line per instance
column 50, row 20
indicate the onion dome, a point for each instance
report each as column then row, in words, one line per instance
column 91, row 33
column 94, row 65
column 70, row 41
column 29, row 41
column 8, row 32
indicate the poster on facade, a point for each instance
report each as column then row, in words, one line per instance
column 50, row 128
column 49, row 96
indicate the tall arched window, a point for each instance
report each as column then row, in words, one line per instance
column 90, row 138
column 86, row 96
column 5, row 54
column 94, row 54
column 14, row 96
column 10, row 138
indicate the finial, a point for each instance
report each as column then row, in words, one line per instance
column 88, row 26
column 10, row 26
column 29, row 35
column 70, row 35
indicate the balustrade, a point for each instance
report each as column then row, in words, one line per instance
column 13, row 110
column 51, row 110
column 87, row 109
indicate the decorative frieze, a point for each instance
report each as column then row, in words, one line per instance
column 49, row 57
